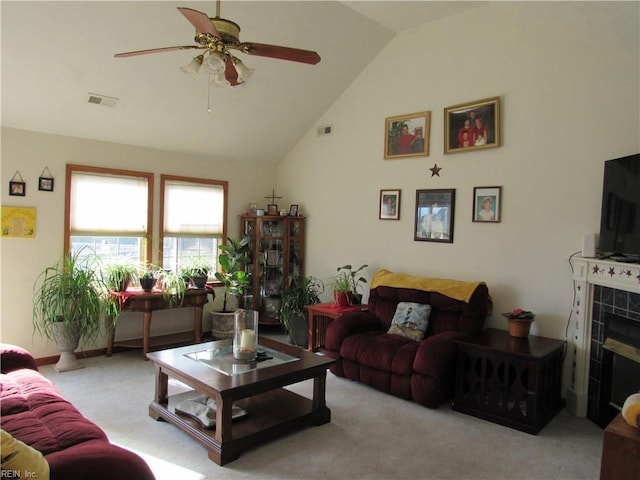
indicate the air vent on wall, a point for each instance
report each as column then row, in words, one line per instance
column 103, row 100
column 325, row 130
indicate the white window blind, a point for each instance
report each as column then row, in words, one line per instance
column 193, row 209
column 103, row 203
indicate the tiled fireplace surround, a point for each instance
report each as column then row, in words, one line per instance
column 600, row 287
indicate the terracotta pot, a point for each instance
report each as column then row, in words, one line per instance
column 519, row 327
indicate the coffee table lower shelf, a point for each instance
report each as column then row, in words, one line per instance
column 270, row 414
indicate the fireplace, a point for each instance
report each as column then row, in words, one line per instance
column 615, row 360
column 604, row 335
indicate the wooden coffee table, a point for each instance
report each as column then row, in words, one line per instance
column 209, row 369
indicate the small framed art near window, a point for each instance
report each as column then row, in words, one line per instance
column 472, row 126
column 389, row 208
column 487, row 204
column 435, row 210
column 407, row 135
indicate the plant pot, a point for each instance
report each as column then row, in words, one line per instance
column 299, row 330
column 222, row 325
column 519, row 327
column 199, row 281
column 67, row 339
column 342, row 299
column 147, row 284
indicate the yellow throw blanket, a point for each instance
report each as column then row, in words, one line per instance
column 455, row 289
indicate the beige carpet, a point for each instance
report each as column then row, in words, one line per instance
column 371, row 435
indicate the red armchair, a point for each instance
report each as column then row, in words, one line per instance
column 422, row 371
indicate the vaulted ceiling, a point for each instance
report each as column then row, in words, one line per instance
column 55, row 55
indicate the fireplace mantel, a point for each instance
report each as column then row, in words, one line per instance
column 588, row 272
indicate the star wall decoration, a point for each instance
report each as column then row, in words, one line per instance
column 435, row 170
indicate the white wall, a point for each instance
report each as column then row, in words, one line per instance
column 568, row 78
column 23, row 259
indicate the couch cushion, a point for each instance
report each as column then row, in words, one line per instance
column 34, row 411
column 388, row 353
column 410, row 320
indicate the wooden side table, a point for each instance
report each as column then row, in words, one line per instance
column 148, row 302
column 320, row 315
column 512, row 381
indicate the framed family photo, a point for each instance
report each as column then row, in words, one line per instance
column 435, row 211
column 472, row 126
column 487, row 204
column 293, row 210
column 389, row 208
column 407, row 135
column 17, row 189
column 45, row 184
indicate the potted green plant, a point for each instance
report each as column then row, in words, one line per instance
column 148, row 278
column 69, row 299
column 341, row 286
column 356, row 281
column 197, row 269
column 173, row 287
column 236, row 280
column 118, row 276
column 519, row 322
column 301, row 291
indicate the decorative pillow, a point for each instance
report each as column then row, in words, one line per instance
column 631, row 410
column 18, row 457
column 410, row 320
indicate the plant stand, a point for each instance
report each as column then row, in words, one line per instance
column 66, row 341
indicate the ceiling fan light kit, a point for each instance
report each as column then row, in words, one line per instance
column 217, row 36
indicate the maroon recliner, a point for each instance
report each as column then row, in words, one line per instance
column 422, row 371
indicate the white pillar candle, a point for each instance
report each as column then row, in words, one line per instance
column 247, row 339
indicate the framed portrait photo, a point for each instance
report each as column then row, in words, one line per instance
column 17, row 189
column 45, row 184
column 407, row 135
column 293, row 210
column 472, row 126
column 487, row 204
column 389, row 208
column 435, row 213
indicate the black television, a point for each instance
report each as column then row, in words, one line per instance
column 620, row 217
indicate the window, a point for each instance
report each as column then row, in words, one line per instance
column 109, row 211
column 193, row 217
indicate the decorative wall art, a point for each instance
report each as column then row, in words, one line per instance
column 472, row 126
column 45, row 182
column 389, row 208
column 18, row 222
column 487, row 204
column 17, row 186
column 407, row 135
column 435, row 211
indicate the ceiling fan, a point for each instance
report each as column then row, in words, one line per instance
column 218, row 36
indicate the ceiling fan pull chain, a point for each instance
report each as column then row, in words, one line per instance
column 209, row 95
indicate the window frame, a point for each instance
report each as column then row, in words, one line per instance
column 71, row 168
column 164, row 178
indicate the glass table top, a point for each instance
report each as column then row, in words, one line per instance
column 221, row 360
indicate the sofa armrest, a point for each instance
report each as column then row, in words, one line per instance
column 13, row 357
column 348, row 324
column 436, row 355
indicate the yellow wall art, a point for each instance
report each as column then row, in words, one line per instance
column 19, row 222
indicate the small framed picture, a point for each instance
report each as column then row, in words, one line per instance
column 45, row 184
column 407, row 135
column 389, row 208
column 472, row 126
column 487, row 204
column 293, row 210
column 435, row 210
column 17, row 189
column 272, row 209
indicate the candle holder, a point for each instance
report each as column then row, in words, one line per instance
column 245, row 335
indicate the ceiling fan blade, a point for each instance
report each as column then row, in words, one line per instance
column 230, row 72
column 283, row 53
column 200, row 21
column 156, row 50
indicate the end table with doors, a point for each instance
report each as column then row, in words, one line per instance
column 512, row 381
column 320, row 315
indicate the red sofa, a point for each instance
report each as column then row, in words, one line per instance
column 35, row 412
column 424, row 370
